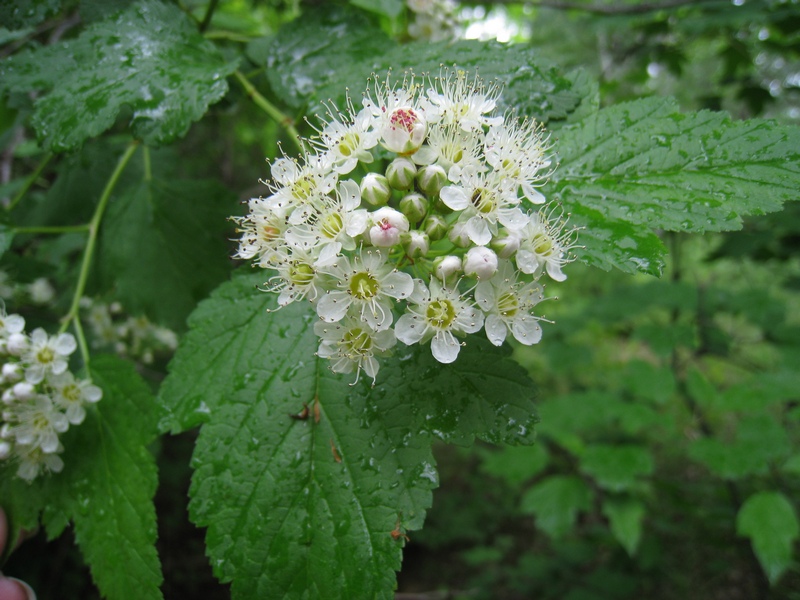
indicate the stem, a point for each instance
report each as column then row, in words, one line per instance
column 31, row 180
column 270, row 109
column 212, row 6
column 603, row 9
column 148, row 173
column 221, row 34
column 82, row 344
column 94, row 226
column 54, row 229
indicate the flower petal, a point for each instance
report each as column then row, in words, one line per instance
column 495, row 330
column 445, row 347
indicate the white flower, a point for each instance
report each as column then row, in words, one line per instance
column 297, row 278
column 517, row 152
column 33, row 460
column 368, row 284
column 334, row 227
column 352, row 346
column 485, row 201
column 47, row 354
column 300, row 188
column 454, row 149
column 508, row 304
column 347, row 143
column 10, row 324
column 38, row 423
column 462, row 102
column 387, row 226
column 438, row 313
column 400, row 120
column 480, row 262
column 545, row 245
column 262, row 232
column 71, row 395
column 446, row 266
column 41, row 291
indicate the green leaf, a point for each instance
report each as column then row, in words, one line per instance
column 770, row 521
column 163, row 248
column 149, row 58
column 293, row 505
column 700, row 388
column 760, row 440
column 792, row 465
column 656, row 384
column 556, row 501
column 108, row 483
column 6, row 237
column 625, row 517
column 646, row 164
column 616, row 467
column 322, row 55
column 515, row 464
column 16, row 14
column 608, row 244
column 387, row 8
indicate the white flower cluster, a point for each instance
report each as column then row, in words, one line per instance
column 133, row 337
column 425, row 196
column 41, row 397
column 434, row 20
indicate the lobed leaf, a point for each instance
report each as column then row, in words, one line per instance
column 320, row 57
column 149, row 58
column 16, row 14
column 108, row 484
column 163, row 251
column 646, row 165
column 299, row 504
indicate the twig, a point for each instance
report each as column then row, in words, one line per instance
column 604, row 9
column 270, row 109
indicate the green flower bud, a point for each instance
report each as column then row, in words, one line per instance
column 400, row 173
column 459, row 236
column 416, row 243
column 414, row 206
column 505, row 244
column 435, row 226
column 375, row 189
column 446, row 266
column 431, row 179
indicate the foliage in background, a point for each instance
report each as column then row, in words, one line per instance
column 667, row 459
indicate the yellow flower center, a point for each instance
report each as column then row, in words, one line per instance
column 543, row 244
column 349, row 143
column 364, row 286
column 507, row 304
column 45, row 356
column 483, row 200
column 301, row 273
column 332, row 225
column 356, row 343
column 303, row 188
column 440, row 313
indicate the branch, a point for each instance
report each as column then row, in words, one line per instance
column 604, row 9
